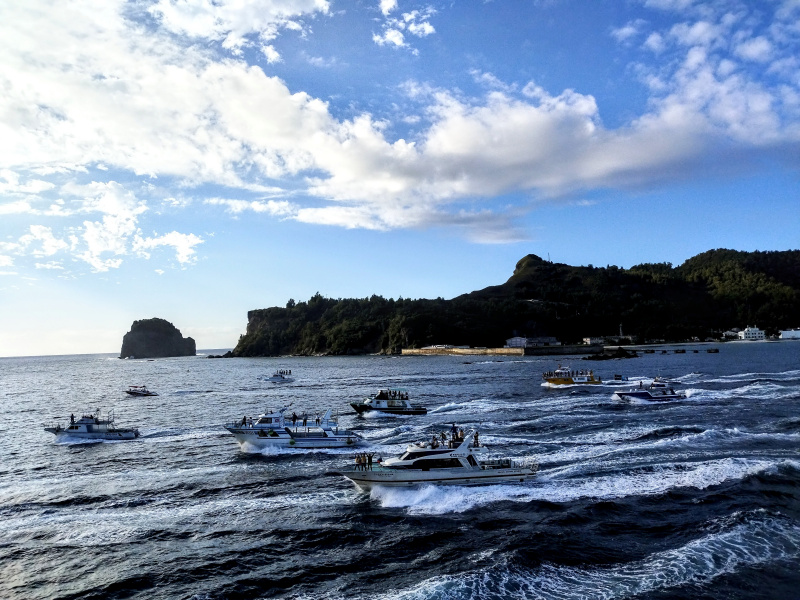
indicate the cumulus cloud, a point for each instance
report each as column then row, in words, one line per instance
column 42, row 241
column 757, row 49
column 182, row 243
column 415, row 22
column 628, row 31
column 232, row 22
column 90, row 95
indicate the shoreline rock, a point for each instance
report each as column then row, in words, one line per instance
column 155, row 338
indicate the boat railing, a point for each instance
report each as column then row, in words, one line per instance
column 524, row 462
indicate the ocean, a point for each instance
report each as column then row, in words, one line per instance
column 696, row 498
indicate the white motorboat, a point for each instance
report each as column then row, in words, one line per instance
column 281, row 376
column 390, row 401
column 658, row 391
column 452, row 461
column 273, row 429
column 92, row 427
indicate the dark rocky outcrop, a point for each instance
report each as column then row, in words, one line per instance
column 700, row 299
column 156, row 338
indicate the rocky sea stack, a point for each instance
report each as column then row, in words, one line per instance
column 156, row 338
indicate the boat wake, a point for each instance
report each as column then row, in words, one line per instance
column 570, row 483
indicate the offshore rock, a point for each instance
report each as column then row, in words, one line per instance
column 156, row 338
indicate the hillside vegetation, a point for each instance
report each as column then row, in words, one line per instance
column 707, row 294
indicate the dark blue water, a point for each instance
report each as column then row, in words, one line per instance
column 696, row 498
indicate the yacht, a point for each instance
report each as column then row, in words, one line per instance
column 273, row 429
column 281, row 376
column 393, row 402
column 92, row 427
column 139, row 390
column 453, row 461
column 657, row 391
column 567, row 376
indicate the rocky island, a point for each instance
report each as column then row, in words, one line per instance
column 155, row 338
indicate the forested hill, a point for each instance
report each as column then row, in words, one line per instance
column 707, row 294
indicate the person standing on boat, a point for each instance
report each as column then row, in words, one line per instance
column 72, row 419
column 305, row 419
column 294, row 418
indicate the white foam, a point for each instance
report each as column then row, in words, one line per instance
column 570, row 483
column 102, row 526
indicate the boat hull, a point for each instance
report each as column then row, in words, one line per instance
column 253, row 437
column 116, row 435
column 636, row 395
column 410, row 478
column 573, row 381
column 364, row 408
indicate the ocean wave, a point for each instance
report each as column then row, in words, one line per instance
column 119, row 524
column 759, row 540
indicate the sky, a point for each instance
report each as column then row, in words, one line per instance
column 196, row 159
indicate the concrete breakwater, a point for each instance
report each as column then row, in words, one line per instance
column 532, row 351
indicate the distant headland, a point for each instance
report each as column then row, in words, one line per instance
column 653, row 302
column 155, row 338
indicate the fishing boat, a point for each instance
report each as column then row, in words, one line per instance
column 139, row 390
column 281, row 376
column 274, row 429
column 389, row 401
column 92, row 426
column 657, row 391
column 451, row 461
column 567, row 376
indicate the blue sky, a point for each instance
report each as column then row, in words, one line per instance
column 194, row 160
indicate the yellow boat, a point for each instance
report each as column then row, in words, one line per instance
column 566, row 376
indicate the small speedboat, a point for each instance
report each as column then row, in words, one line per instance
column 273, row 429
column 281, row 376
column 139, row 390
column 567, row 376
column 657, row 391
column 92, row 427
column 393, row 402
column 453, row 461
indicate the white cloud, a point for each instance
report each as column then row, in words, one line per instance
column 16, row 207
column 655, row 43
column 415, row 23
column 272, row 207
column 701, row 33
column 43, row 240
column 232, row 21
column 758, row 49
column 6, row 261
column 390, row 37
column 271, row 54
column 50, row 266
column 629, row 30
column 87, row 90
column 387, row 6
column 182, row 243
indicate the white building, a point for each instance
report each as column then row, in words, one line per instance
column 593, row 341
column 790, row 334
column 516, row 342
column 531, row 342
column 751, row 333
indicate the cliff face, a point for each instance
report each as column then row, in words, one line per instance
column 156, row 338
column 709, row 293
